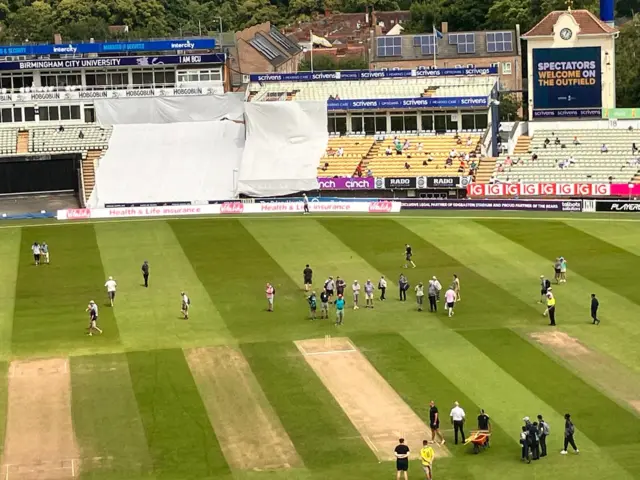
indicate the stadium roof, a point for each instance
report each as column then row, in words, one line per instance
column 588, row 22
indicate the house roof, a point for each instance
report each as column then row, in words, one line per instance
column 588, row 22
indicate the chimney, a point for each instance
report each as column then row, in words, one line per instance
column 607, row 12
column 444, row 28
column 374, row 18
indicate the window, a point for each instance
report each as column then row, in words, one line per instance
column 389, row 46
column 506, row 68
column 283, row 41
column 29, row 114
column 426, row 43
column 337, row 123
column 265, row 47
column 370, row 123
column 15, row 81
column 481, row 121
column 404, row 121
column 465, row 42
column 198, row 76
column 6, row 115
column 427, row 122
column 17, row 114
column 495, row 65
column 468, row 121
column 470, row 65
column 105, row 79
column 499, row 42
column 55, row 113
column 89, row 115
column 60, row 79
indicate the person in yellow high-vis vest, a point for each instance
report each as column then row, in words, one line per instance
column 551, row 308
column 426, row 457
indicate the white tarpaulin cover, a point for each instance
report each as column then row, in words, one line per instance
column 285, row 141
column 201, row 108
column 169, row 163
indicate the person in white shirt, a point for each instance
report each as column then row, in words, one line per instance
column 438, row 285
column 382, row 286
column 111, row 289
column 419, row 295
column 368, row 293
column 186, row 303
column 450, row 299
column 44, row 251
column 340, row 152
column 35, row 248
column 356, row 294
column 457, row 418
column 305, row 202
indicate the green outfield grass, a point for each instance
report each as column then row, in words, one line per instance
column 138, row 413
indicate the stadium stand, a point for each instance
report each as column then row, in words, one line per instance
column 68, row 139
column 343, row 156
column 573, row 156
column 423, row 154
column 371, row 89
column 8, row 141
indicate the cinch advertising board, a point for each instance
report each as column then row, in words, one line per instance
column 567, row 82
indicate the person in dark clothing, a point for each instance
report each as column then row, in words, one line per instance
column 569, row 431
column 307, row 273
column 484, row 423
column 432, row 292
column 543, row 431
column 340, row 286
column 402, row 459
column 534, row 441
column 403, row 285
column 594, row 309
column 145, row 273
column 525, row 445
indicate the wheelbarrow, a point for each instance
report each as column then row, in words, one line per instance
column 479, row 439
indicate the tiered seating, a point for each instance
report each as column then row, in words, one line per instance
column 361, row 89
column 74, row 138
column 354, row 149
column 436, row 147
column 591, row 165
column 8, row 141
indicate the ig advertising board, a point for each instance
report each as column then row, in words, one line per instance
column 567, row 82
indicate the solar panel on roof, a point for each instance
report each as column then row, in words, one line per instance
column 389, row 46
column 499, row 42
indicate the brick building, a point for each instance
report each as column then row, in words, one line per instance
column 453, row 49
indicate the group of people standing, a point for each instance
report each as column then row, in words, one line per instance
column 40, row 252
column 533, row 438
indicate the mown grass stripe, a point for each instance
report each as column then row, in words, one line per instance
column 181, row 441
column 384, row 250
column 599, row 261
column 4, row 403
column 49, row 317
column 318, row 427
column 234, row 269
column 106, row 420
column 10, row 243
column 149, row 318
column 600, row 418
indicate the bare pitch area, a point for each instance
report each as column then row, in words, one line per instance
column 40, row 443
column 375, row 409
column 596, row 368
column 249, row 431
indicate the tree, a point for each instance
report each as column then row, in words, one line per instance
column 32, row 23
column 510, row 107
column 254, row 12
column 424, row 15
column 628, row 65
column 504, row 14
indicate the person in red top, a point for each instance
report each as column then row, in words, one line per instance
column 270, row 291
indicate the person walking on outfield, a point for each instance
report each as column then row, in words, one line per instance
column 35, row 248
column 556, row 269
column 93, row 318
column 403, row 286
column 305, row 204
column 450, row 299
column 307, row 273
column 433, row 296
column 484, row 424
column 145, row 273
column 402, row 459
column 420, row 295
column 270, row 292
column 408, row 253
column 545, row 285
column 456, row 286
column 324, row 304
column 382, row 286
column 111, row 289
column 356, row 294
column 434, row 423
column 427, row 456
column 543, row 432
column 524, row 441
column 594, row 309
column 312, row 305
column 186, row 303
column 569, row 432
column 438, row 286
column 339, row 310
column 551, row 308
column 563, row 270
column 368, row 293
column 457, row 418
column 44, row 249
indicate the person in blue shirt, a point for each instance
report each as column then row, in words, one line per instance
column 339, row 310
column 313, row 304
